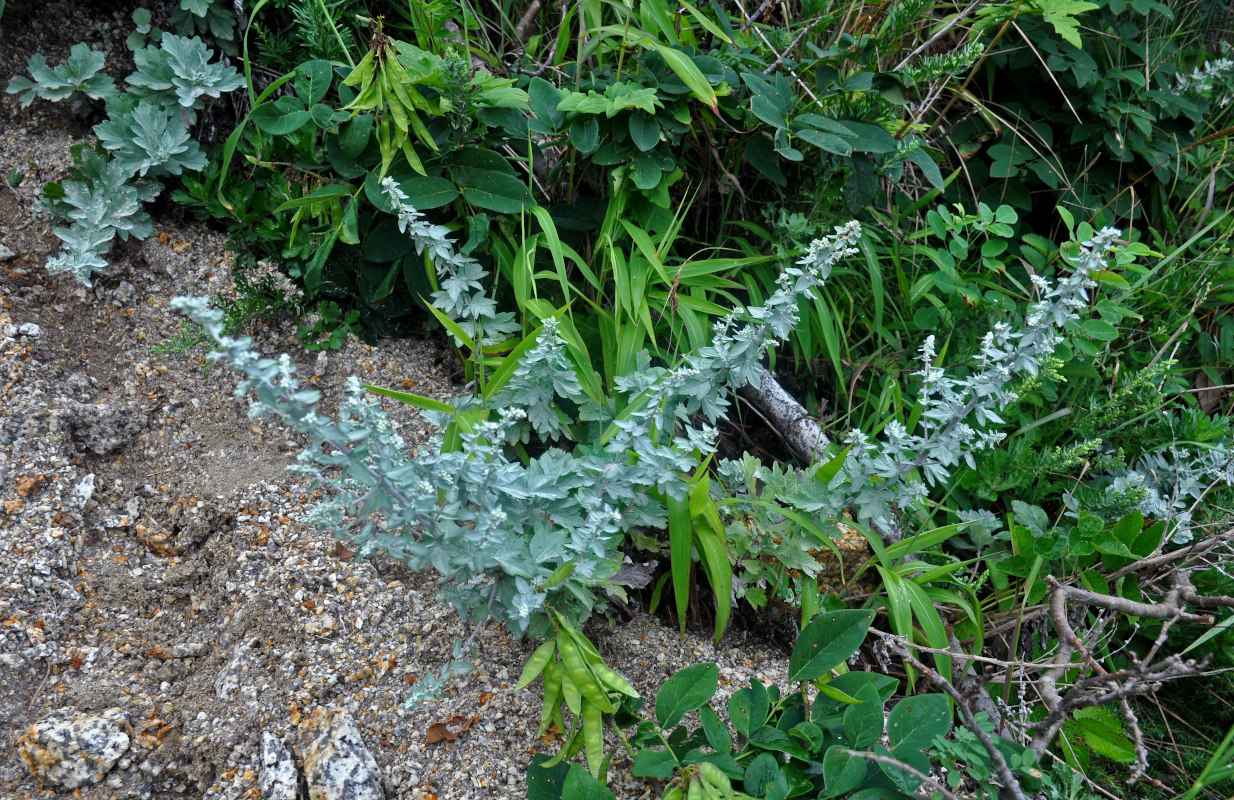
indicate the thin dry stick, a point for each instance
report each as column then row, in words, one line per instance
column 928, row 43
column 1106, row 687
column 1048, row 71
column 1010, row 782
column 524, row 23
column 39, row 690
column 781, row 56
column 879, row 758
column 1188, row 552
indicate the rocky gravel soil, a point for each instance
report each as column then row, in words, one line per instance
column 168, row 627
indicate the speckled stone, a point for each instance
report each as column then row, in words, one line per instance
column 337, row 765
column 71, row 749
column 101, row 428
column 233, row 673
column 278, row 778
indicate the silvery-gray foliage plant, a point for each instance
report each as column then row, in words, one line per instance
column 510, row 539
column 82, row 73
column 877, row 477
column 507, row 538
column 146, row 134
column 1174, row 483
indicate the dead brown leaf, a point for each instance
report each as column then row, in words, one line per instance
column 449, row 730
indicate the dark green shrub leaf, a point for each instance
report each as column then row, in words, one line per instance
column 748, row 707
column 842, row 772
column 810, row 734
column 653, row 764
column 581, row 786
column 1099, row 329
column 585, row 134
column 482, row 159
column 495, row 191
column 928, row 168
column 827, row 642
column 762, row 156
column 826, row 142
column 717, row 734
column 312, row 81
column 1103, row 731
column 868, row 138
column 544, row 98
column 385, row 243
column 761, row 773
column 354, row 134
column 284, row 116
column 915, row 721
column 545, row 783
column 771, row 738
column 905, row 780
column 687, row 690
column 644, row 131
column 863, row 723
column 327, row 118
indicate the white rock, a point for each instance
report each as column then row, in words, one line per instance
column 233, row 673
column 278, row 778
column 29, row 329
column 83, row 491
column 337, row 765
column 71, row 749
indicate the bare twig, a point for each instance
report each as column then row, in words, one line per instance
column 879, row 758
column 1010, row 782
column 781, row 56
column 524, row 23
column 42, row 683
column 928, row 43
column 1103, row 687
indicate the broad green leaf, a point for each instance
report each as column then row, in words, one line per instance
column 585, row 134
column 761, row 773
column 827, row 642
column 748, row 707
column 915, row 721
column 842, row 772
column 313, row 80
column 650, row 763
column 284, row 116
column 1061, row 14
column 644, row 131
column 714, row 729
column 687, row 690
column 581, row 786
column 425, row 193
column 546, row 782
column 863, row 722
column 1102, row 729
column 495, row 191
